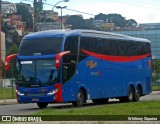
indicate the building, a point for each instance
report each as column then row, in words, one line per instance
column 8, row 7
column 149, row 32
column 41, row 26
column 97, row 24
column 28, row 6
column 150, row 26
column 16, row 23
column 3, row 45
column 50, row 14
column 108, row 26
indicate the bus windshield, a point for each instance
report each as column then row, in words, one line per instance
column 41, row 46
column 37, row 73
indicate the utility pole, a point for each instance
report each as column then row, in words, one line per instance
column 35, row 16
column 0, row 44
column 38, row 8
column 59, row 7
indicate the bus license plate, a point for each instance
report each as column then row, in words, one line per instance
column 35, row 100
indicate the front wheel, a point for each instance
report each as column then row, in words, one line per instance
column 80, row 99
column 42, row 105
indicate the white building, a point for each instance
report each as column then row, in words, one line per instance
column 8, row 7
column 3, row 46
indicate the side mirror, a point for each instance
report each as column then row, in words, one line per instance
column 59, row 56
column 8, row 60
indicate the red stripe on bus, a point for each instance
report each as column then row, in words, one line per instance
column 116, row 58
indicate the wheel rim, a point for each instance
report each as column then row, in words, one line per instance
column 80, row 98
column 138, row 93
column 131, row 94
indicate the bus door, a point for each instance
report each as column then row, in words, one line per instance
column 69, row 68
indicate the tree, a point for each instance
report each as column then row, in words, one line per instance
column 5, row 27
column 26, row 16
column 131, row 23
column 13, row 49
column 100, row 16
column 77, row 22
column 118, row 19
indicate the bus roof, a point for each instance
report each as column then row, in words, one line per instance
column 81, row 32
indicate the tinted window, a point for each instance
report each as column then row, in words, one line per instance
column 40, row 46
column 113, row 47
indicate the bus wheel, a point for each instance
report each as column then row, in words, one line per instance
column 130, row 95
column 128, row 98
column 80, row 99
column 137, row 94
column 42, row 105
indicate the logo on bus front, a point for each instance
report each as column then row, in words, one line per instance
column 92, row 64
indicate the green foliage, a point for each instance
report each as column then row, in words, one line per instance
column 131, row 23
column 77, row 22
column 146, row 108
column 12, row 50
column 157, row 66
column 117, row 19
column 7, row 93
column 26, row 16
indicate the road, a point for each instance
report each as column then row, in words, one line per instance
column 28, row 109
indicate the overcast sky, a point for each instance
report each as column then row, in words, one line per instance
column 143, row 11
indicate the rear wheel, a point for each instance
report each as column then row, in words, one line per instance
column 80, row 98
column 130, row 94
column 129, row 97
column 42, row 105
column 137, row 94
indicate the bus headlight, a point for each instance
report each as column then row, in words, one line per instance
column 19, row 93
column 53, row 91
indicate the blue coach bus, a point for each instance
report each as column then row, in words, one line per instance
column 77, row 65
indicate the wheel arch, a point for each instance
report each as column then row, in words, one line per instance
column 131, row 85
column 84, row 89
column 139, row 85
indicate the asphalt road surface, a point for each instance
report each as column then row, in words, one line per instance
column 28, row 109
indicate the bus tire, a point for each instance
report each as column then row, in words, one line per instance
column 42, row 105
column 80, row 99
column 130, row 96
column 137, row 94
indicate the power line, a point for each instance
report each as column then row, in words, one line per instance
column 65, row 8
column 80, row 11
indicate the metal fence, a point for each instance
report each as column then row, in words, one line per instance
column 7, row 91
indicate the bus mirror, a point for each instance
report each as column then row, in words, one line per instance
column 59, row 56
column 8, row 60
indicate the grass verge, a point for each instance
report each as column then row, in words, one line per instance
column 134, row 108
column 7, row 93
column 120, row 111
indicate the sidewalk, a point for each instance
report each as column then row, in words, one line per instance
column 14, row 101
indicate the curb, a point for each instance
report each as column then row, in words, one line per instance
column 155, row 92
